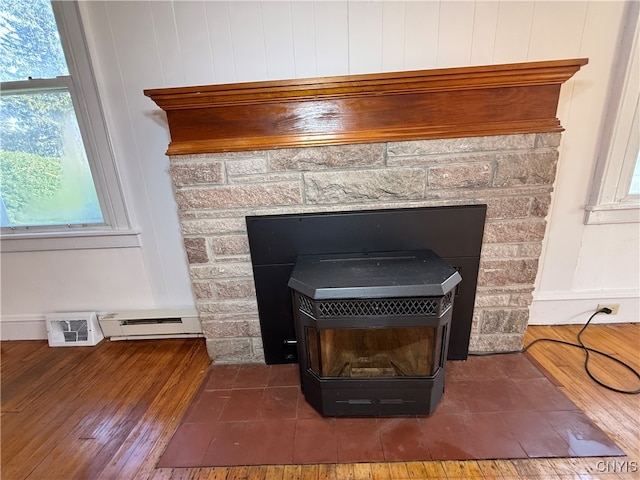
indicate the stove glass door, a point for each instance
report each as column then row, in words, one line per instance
column 374, row 352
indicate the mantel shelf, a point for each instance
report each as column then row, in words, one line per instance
column 442, row 103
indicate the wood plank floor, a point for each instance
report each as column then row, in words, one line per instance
column 107, row 412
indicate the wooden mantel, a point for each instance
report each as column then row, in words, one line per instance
column 442, row 103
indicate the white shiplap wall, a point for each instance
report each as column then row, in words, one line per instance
column 150, row 44
column 203, row 42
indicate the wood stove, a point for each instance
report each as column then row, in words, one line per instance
column 373, row 331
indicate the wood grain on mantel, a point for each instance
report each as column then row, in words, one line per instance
column 442, row 103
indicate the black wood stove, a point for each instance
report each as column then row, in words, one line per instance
column 373, row 331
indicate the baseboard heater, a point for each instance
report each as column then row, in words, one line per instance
column 150, row 324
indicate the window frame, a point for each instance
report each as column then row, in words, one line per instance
column 610, row 201
column 116, row 231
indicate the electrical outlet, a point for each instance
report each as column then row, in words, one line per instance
column 611, row 306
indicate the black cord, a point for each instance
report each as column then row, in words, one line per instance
column 587, row 351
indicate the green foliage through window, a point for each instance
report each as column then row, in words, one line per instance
column 27, row 178
column 29, row 41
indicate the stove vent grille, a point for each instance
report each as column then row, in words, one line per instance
column 426, row 307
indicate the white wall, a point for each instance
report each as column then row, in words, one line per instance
column 151, row 44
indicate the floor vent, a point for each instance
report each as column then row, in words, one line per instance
column 73, row 329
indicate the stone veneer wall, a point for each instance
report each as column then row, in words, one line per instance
column 512, row 174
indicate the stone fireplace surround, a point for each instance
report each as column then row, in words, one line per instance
column 510, row 170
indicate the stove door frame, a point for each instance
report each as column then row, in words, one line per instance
column 376, row 396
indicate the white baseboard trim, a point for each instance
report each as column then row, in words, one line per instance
column 23, row 327
column 34, row 326
column 562, row 308
column 548, row 308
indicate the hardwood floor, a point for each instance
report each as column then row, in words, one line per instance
column 107, row 412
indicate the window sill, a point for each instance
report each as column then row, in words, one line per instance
column 74, row 240
column 612, row 213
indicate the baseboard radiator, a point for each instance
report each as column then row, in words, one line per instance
column 150, row 324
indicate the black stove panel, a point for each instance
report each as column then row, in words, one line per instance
column 453, row 232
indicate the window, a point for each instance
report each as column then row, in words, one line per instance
column 616, row 194
column 635, row 178
column 58, row 177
